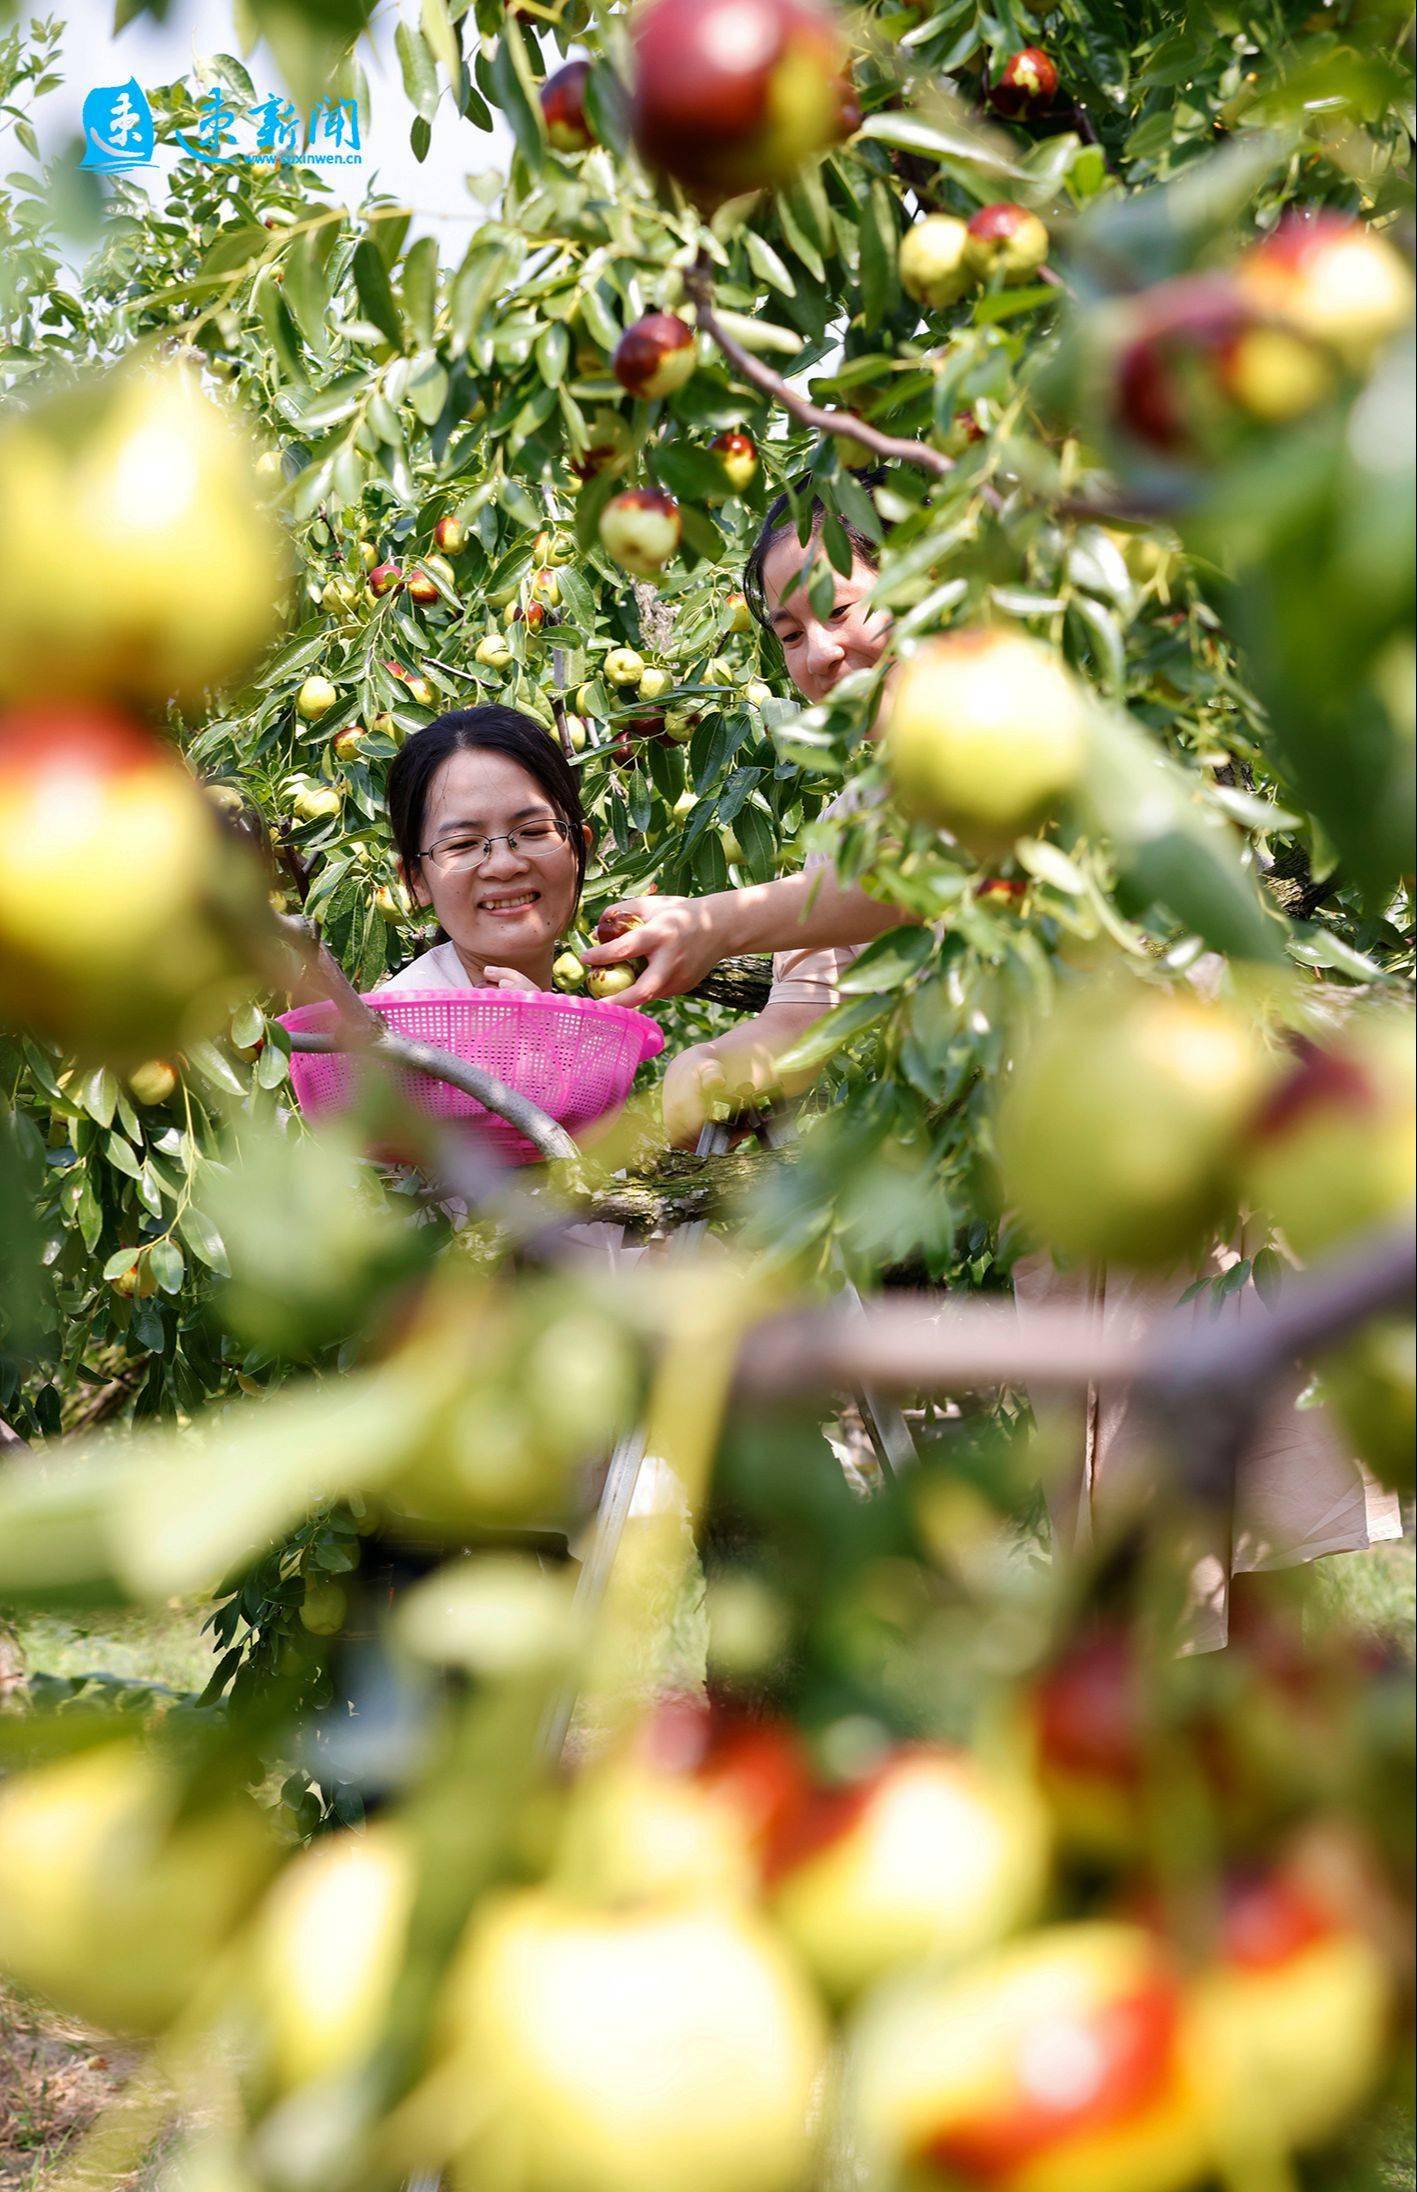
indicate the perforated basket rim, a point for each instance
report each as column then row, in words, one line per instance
column 304, row 1019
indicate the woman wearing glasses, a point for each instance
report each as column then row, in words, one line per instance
column 490, row 833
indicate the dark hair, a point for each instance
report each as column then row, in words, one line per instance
column 490, row 729
column 782, row 519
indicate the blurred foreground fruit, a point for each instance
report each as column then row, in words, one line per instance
column 733, row 95
column 609, row 448
column 1332, row 1153
column 1088, row 1720
column 1371, row 1381
column 1198, row 365
column 121, row 895
column 552, row 1386
column 637, row 1833
column 139, row 558
column 564, row 109
column 1057, row 2065
column 1334, row 278
column 987, row 732
column 643, row 2050
column 115, row 1898
column 933, row 1856
column 1120, row 1135
column 325, row 1951
column 1289, row 2020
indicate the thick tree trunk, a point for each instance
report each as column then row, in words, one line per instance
column 741, row 983
column 683, row 1187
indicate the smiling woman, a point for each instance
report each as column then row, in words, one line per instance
column 488, row 822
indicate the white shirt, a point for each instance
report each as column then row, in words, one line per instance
column 439, row 968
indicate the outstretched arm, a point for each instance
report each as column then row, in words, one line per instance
column 680, row 939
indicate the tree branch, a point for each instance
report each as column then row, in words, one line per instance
column 911, row 1343
column 684, row 1189
column 889, row 447
column 744, row 984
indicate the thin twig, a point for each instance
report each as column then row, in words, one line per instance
column 889, row 447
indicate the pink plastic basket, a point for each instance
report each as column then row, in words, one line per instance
column 574, row 1057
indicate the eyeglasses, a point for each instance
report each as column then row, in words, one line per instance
column 537, row 839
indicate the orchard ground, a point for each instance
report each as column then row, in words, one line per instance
column 56, row 2075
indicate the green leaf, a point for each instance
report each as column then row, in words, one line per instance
column 419, row 287
column 516, row 95
column 880, row 286
column 168, row 1265
column 376, row 296
column 216, row 1067
column 954, row 141
column 203, row 1239
column 1107, row 647
column 687, row 471
column 248, row 1025
column 120, row 1155
column 481, row 277
column 767, row 264
column 1314, row 946
column 757, row 837
column 272, row 1067
column 279, row 327
column 326, row 407
column 888, row 962
column 757, row 334
column 553, row 354
column 441, row 38
column 1052, row 866
column 833, row 1032
column 600, row 322
column 98, row 1094
column 1175, row 851
column 420, row 75
column 428, row 389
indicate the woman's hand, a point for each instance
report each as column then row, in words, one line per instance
column 737, row 1072
column 679, row 940
column 508, row 978
column 694, row 1090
